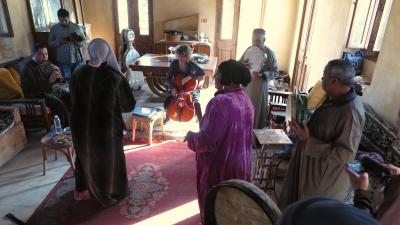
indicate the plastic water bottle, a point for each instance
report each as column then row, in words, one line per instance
column 57, row 125
column 202, row 36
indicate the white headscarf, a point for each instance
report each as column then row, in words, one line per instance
column 100, row 52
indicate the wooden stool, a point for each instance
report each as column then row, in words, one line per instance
column 60, row 142
column 146, row 121
column 266, row 168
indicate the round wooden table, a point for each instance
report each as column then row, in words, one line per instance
column 58, row 142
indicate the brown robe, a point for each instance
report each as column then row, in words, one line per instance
column 99, row 96
column 317, row 166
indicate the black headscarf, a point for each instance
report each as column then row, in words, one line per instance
column 324, row 211
column 234, row 72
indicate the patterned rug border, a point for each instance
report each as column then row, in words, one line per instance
column 41, row 206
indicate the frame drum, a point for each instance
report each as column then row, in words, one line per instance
column 241, row 203
column 255, row 56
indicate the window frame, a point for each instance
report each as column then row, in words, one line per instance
column 10, row 32
column 143, row 43
column 148, row 19
column 373, row 25
column 43, row 29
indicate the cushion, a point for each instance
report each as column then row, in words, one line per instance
column 15, row 74
column 11, row 89
column 316, row 96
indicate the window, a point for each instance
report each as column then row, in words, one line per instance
column 368, row 23
column 123, row 15
column 70, row 6
column 44, row 12
column 383, row 24
column 5, row 23
column 228, row 8
column 143, row 8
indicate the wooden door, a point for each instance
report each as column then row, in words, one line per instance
column 141, row 13
column 302, row 65
column 226, row 30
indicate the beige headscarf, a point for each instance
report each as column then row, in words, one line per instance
column 100, row 52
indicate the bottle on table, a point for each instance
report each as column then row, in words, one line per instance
column 57, row 125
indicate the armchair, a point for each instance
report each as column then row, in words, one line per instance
column 33, row 112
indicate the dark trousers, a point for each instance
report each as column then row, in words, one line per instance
column 68, row 69
column 59, row 103
column 80, row 179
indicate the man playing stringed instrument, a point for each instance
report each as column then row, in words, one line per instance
column 189, row 71
column 263, row 66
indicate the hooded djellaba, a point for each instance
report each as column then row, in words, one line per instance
column 100, row 93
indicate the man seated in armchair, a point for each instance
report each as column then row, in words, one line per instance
column 38, row 80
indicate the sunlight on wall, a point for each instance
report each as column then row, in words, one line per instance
column 383, row 94
column 279, row 22
column 174, row 215
column 123, row 16
column 250, row 12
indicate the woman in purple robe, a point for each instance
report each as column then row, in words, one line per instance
column 223, row 144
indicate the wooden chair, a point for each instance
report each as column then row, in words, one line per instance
column 34, row 113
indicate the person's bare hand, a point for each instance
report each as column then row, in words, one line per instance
column 174, row 92
column 64, row 40
column 247, row 65
column 256, row 75
column 394, row 169
column 301, row 131
column 188, row 134
column 358, row 181
column 55, row 75
column 54, row 67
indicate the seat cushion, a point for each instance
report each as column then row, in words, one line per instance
column 15, row 74
column 10, row 88
column 316, row 96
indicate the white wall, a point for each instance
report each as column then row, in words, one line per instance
column 329, row 35
column 280, row 24
column 170, row 9
column 21, row 44
column 384, row 93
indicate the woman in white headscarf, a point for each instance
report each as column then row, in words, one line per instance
column 99, row 94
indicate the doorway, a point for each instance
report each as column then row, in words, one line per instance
column 227, row 29
column 302, row 65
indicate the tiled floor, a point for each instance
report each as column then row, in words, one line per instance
column 23, row 186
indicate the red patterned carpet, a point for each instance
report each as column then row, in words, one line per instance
column 162, row 191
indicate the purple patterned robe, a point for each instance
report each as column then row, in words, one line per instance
column 224, row 143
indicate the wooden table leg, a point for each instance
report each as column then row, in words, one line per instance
column 133, row 129
column 44, row 153
column 70, row 158
column 150, row 129
column 259, row 156
column 162, row 128
column 155, row 87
